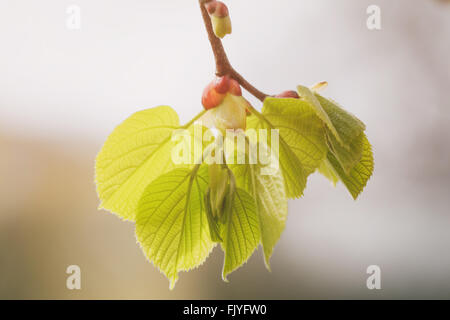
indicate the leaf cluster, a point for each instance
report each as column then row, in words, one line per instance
column 182, row 212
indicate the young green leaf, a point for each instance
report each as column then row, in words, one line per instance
column 300, row 128
column 351, row 160
column 348, row 156
column 357, row 178
column 240, row 232
column 308, row 95
column 268, row 192
column 137, row 152
column 292, row 169
column 218, row 183
column 347, row 125
column 171, row 224
column 213, row 221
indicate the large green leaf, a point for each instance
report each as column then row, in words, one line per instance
column 137, row 152
column 300, row 128
column 302, row 139
column 357, row 178
column 268, row 192
column 171, row 224
column 240, row 232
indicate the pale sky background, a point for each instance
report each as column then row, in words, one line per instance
column 63, row 91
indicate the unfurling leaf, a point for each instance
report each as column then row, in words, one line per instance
column 220, row 18
column 171, row 224
column 218, row 198
column 221, row 26
column 213, row 222
column 218, row 184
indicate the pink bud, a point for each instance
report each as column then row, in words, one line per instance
column 220, row 18
column 217, row 9
column 288, row 94
column 216, row 91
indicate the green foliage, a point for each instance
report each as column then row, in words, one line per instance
column 357, row 178
column 306, row 94
column 328, row 171
column 182, row 211
column 137, row 151
column 347, row 125
column 294, row 173
column 347, row 155
column 240, row 231
column 270, row 199
column 302, row 139
column 171, row 222
column 300, row 128
column 352, row 160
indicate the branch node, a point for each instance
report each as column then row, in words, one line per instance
column 223, row 65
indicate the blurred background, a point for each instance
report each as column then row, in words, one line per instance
column 63, row 91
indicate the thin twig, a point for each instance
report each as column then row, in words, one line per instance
column 223, row 65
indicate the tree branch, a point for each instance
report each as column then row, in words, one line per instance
column 223, row 65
